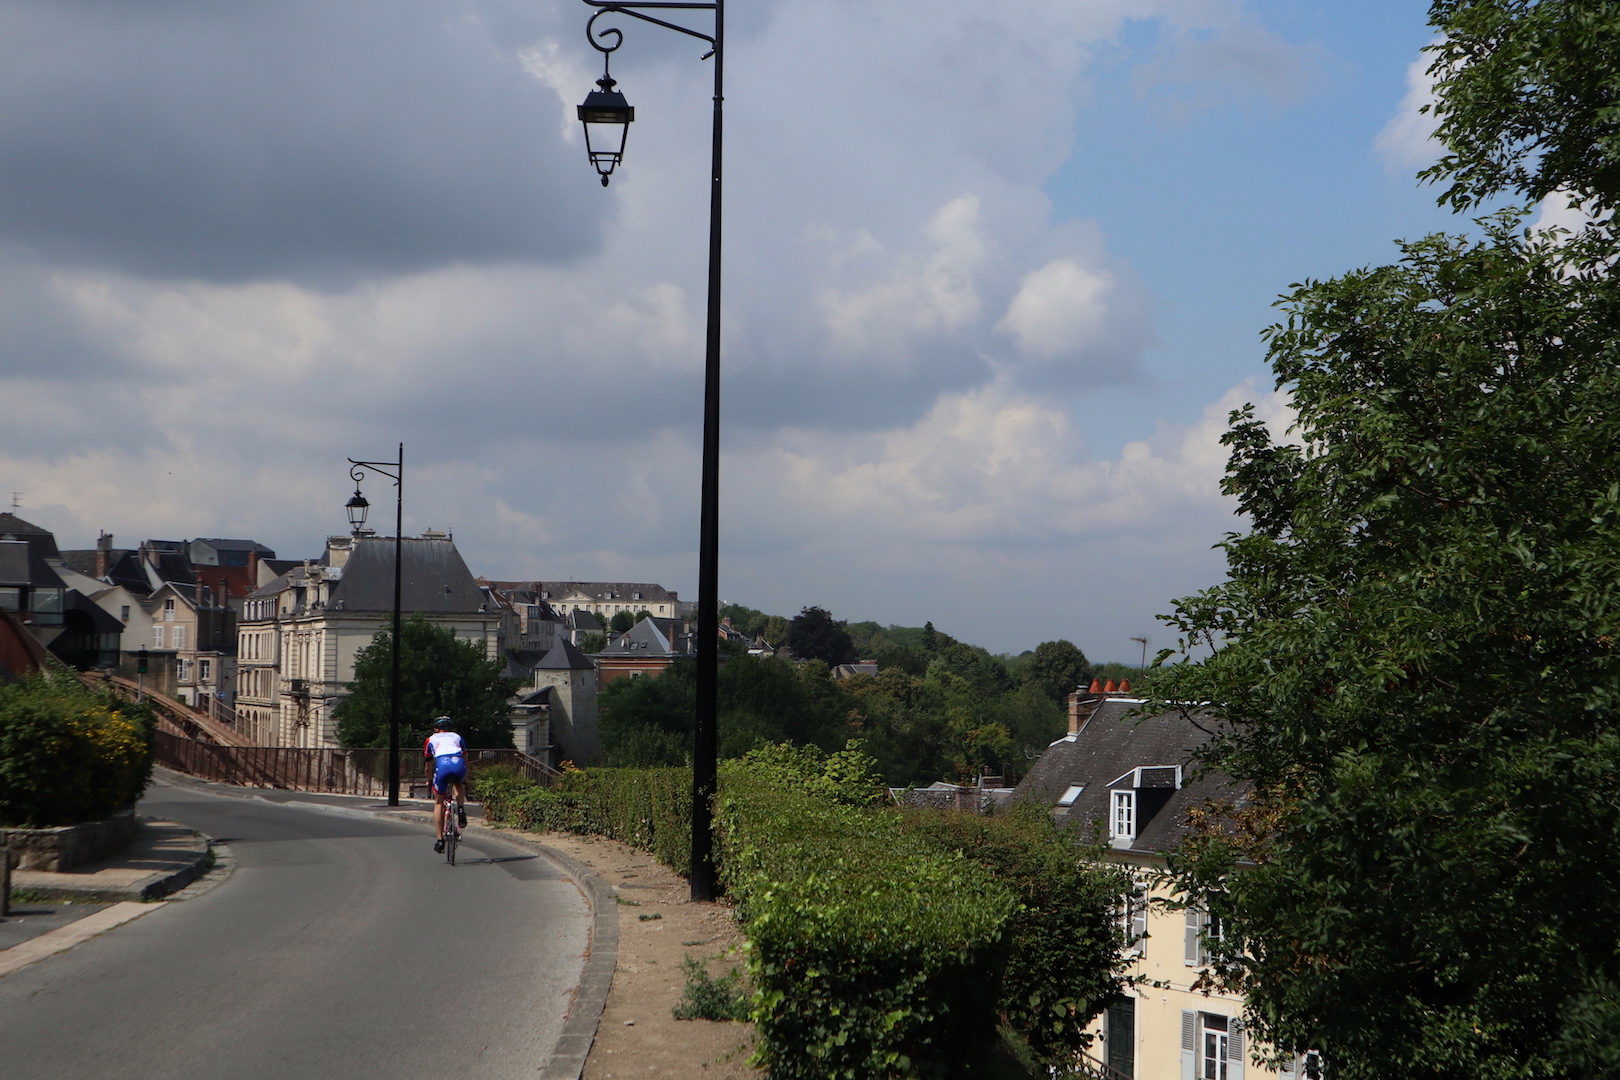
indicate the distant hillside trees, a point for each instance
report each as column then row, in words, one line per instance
column 937, row 709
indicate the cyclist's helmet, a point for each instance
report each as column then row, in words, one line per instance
column 443, row 722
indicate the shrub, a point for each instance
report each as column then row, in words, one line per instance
column 1062, row 942
column 709, row 998
column 872, row 951
column 68, row 754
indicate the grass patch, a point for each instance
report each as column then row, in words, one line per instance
column 710, row 998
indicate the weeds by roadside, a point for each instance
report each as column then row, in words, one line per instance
column 711, row 998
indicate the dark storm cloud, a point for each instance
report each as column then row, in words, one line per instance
column 297, row 139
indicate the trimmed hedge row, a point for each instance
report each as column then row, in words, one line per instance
column 69, row 754
column 873, row 952
column 882, row 945
column 648, row 809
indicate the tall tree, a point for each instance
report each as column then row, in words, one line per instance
column 440, row 675
column 1057, row 669
column 1527, row 97
column 1415, row 667
column 815, row 635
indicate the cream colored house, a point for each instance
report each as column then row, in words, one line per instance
column 299, row 635
column 605, row 599
column 1124, row 778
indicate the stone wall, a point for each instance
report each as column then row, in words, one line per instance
column 68, row 846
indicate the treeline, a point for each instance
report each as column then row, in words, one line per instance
column 937, row 708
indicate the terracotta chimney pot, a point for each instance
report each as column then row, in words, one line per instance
column 1124, row 686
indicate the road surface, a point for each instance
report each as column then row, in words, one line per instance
column 341, row 946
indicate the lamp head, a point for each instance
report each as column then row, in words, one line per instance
column 357, row 507
column 606, row 116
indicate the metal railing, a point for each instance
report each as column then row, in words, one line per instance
column 318, row 769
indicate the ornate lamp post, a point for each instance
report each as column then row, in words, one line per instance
column 358, row 507
column 607, row 116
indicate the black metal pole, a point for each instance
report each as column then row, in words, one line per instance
column 705, row 734
column 393, row 693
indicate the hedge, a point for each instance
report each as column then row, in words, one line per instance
column 881, row 945
column 68, row 754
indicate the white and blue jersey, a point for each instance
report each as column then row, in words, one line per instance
column 449, row 756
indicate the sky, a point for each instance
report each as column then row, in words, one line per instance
column 994, row 277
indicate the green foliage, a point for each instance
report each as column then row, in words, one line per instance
column 621, row 621
column 1525, row 97
column 647, row 722
column 440, row 675
column 847, row 777
column 1062, row 941
column 1414, row 658
column 815, row 635
column 647, row 809
column 1057, row 669
column 68, row 754
column 873, row 953
column 707, row 997
column 878, row 942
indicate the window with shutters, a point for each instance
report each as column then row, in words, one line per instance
column 1203, row 930
column 1211, row 1046
column 1133, row 914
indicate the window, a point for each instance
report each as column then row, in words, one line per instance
column 1123, row 820
column 168, row 611
column 1133, row 912
column 179, row 637
column 205, row 670
column 1202, row 930
column 157, row 637
column 1211, row 1046
column 1071, row 794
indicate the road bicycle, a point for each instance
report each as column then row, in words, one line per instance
column 452, row 829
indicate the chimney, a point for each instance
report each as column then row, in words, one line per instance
column 1108, row 687
column 1082, row 704
column 103, row 553
column 253, row 568
column 1124, row 686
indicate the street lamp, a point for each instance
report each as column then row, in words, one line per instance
column 607, row 116
column 358, row 508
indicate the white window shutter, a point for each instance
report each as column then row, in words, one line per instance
column 1189, row 1045
column 1235, row 1057
column 1139, row 921
column 1194, row 924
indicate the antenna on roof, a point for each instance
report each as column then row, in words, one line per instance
column 1143, row 640
column 16, row 499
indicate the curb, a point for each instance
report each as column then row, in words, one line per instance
column 196, row 862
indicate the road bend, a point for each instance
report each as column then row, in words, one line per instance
column 341, row 946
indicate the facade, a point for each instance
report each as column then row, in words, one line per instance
column 605, row 599
column 570, row 682
column 299, row 634
column 1126, row 776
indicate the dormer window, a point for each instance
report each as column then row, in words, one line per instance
column 1122, row 821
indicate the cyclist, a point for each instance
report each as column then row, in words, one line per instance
column 447, row 768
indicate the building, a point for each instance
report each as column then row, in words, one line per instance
column 647, row 648
column 299, row 634
column 1126, row 777
column 605, row 599
column 569, row 680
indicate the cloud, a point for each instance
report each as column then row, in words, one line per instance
column 1213, row 55
column 299, row 140
column 1407, row 141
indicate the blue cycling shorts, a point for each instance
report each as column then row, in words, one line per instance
column 448, row 769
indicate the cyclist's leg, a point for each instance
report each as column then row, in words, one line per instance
column 438, row 817
column 460, row 790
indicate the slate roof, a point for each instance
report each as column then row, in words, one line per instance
column 13, row 527
column 21, row 563
column 433, row 577
column 564, row 657
column 1103, row 756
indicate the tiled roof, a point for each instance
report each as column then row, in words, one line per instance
column 13, row 527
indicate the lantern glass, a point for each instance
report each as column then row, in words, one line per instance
column 606, row 117
column 358, row 508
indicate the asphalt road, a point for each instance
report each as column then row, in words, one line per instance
column 341, row 946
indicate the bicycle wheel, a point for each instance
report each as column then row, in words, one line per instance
column 451, row 836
